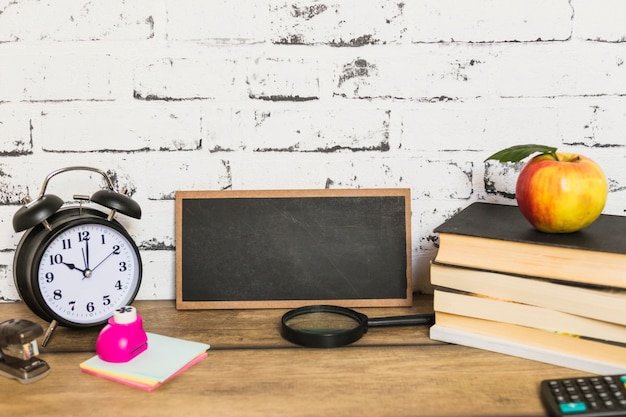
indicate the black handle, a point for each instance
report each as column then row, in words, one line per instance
column 411, row 320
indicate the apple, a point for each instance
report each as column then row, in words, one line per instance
column 561, row 192
column 558, row 192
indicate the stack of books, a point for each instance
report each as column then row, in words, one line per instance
column 503, row 286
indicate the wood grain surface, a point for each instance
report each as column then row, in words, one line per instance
column 252, row 371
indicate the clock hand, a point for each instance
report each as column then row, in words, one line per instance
column 86, row 272
column 85, row 259
column 105, row 258
column 86, row 253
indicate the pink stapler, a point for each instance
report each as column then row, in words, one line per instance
column 123, row 337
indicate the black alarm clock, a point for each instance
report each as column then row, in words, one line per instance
column 76, row 265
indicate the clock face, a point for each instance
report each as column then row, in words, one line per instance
column 87, row 271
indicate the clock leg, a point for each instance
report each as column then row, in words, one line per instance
column 48, row 334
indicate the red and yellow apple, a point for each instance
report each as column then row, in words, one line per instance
column 561, row 192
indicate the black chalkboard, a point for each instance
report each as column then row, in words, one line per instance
column 288, row 248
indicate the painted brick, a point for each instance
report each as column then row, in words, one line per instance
column 277, row 79
column 426, row 216
column 12, row 189
column 479, row 125
column 360, row 171
column 278, row 171
column 227, row 129
column 105, row 127
column 593, row 122
column 438, row 178
column 311, row 128
column 459, row 71
column 225, row 21
column 158, row 276
column 491, row 125
column 601, row 20
column 63, row 20
column 148, row 234
column 321, row 129
column 15, row 131
column 505, row 21
column 500, row 178
column 57, row 77
column 8, row 292
column 208, row 75
column 342, row 23
column 159, row 176
column 8, row 239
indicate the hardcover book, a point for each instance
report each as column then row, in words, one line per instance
column 600, row 303
column 525, row 342
column 497, row 237
column 481, row 307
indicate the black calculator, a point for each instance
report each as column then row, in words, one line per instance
column 591, row 396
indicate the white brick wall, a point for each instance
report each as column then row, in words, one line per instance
column 168, row 95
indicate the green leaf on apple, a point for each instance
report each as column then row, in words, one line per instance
column 518, row 152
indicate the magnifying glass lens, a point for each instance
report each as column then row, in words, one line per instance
column 321, row 323
column 325, row 326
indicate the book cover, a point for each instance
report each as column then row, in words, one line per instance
column 505, row 222
column 497, row 237
column 165, row 358
column 574, row 299
column 528, row 343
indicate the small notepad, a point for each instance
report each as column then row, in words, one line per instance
column 165, row 358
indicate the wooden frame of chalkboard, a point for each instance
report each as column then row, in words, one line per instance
column 289, row 248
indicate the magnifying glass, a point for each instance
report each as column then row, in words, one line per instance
column 326, row 326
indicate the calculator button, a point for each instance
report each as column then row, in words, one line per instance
column 573, row 407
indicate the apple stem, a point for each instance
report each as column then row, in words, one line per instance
column 554, row 155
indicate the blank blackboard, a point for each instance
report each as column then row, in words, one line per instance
column 289, row 248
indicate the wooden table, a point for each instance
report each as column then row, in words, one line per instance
column 252, row 371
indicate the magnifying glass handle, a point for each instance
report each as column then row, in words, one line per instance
column 411, row 320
